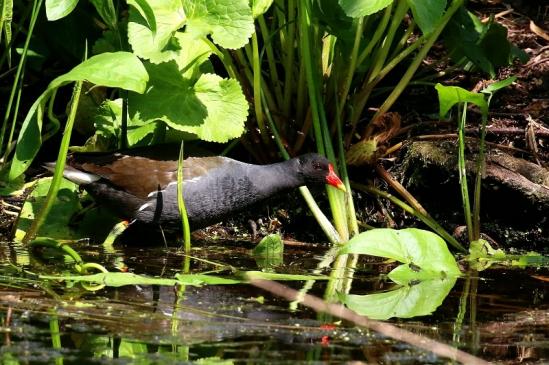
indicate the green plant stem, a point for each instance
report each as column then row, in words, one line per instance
column 175, row 320
column 55, row 335
column 481, row 162
column 351, row 213
column 14, row 118
column 462, row 309
column 351, row 67
column 302, row 105
column 368, row 86
column 402, row 42
column 270, row 59
column 124, row 125
column 425, row 219
column 320, row 125
column 225, row 58
column 382, row 52
column 338, row 277
column 399, row 88
column 22, row 20
column 16, row 83
column 58, row 245
column 462, row 170
column 55, row 123
column 473, row 325
column 59, row 168
column 241, row 58
column 361, row 100
column 181, row 203
column 250, row 78
column 380, row 30
column 399, row 58
column 289, row 52
column 257, row 90
column 331, row 233
column 304, row 26
column 322, row 220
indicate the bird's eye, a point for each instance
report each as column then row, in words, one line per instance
column 317, row 166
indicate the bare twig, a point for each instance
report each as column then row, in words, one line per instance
column 385, row 329
column 389, row 179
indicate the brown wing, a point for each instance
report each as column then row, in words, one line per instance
column 140, row 176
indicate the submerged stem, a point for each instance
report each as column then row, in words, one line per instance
column 181, row 203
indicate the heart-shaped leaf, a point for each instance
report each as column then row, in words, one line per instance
column 423, row 253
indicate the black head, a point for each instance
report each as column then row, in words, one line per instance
column 317, row 169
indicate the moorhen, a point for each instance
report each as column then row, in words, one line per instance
column 143, row 188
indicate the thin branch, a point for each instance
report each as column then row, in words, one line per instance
column 386, row 329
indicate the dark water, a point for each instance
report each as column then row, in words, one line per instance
column 500, row 314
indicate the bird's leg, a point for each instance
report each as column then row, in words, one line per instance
column 78, row 216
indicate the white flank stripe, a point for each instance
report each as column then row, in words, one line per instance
column 144, row 206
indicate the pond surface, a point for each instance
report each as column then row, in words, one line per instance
column 500, row 314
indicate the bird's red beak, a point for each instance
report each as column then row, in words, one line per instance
column 334, row 180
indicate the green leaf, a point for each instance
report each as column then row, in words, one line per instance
column 65, row 206
column 410, row 301
column 229, row 22
column 270, row 245
column 424, row 253
column 269, row 252
column 108, row 122
column 105, row 9
column 213, row 108
column 358, row 8
column 146, row 12
column 151, row 29
column 448, row 96
column 472, row 43
column 482, row 255
column 461, row 37
column 144, row 135
column 227, row 109
column 482, row 249
column 193, row 60
column 520, row 54
column 118, row 69
column 495, row 86
column 329, row 14
column 6, row 17
column 260, row 7
column 29, row 139
column 12, row 188
column 57, row 9
column 496, row 46
column 427, row 13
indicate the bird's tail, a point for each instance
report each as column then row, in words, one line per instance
column 76, row 176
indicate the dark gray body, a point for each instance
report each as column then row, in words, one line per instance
column 208, row 198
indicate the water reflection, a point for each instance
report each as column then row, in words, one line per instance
column 483, row 314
